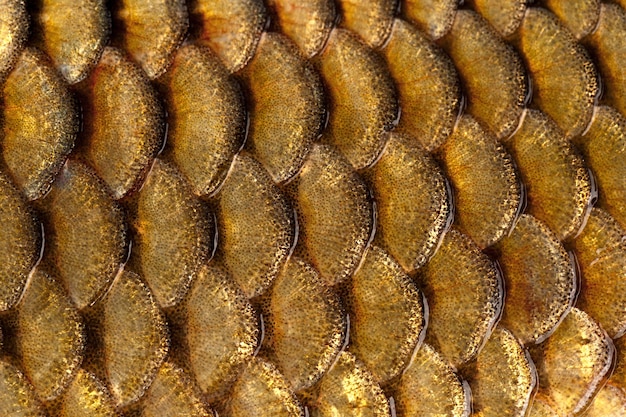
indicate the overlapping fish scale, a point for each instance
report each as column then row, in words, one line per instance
column 17, row 395
column 307, row 22
column 504, row 15
column 85, row 233
column 491, row 72
column 256, row 226
column 428, row 85
column 574, row 362
column 18, row 244
column 559, row 187
column 370, row 19
column 173, row 234
column 86, row 396
column 40, row 122
column 433, row 17
column 601, row 253
column 74, row 49
column 123, row 122
column 604, row 149
column 221, row 330
column 280, row 80
column 305, row 324
column 206, row 117
column 564, row 78
column 50, row 335
column 579, row 16
column 16, row 23
column 231, row 28
column 363, row 103
column 540, row 280
column 150, row 31
column 607, row 46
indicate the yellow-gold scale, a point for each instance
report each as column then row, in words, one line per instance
column 312, row 208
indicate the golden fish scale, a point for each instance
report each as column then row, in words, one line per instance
column 135, row 352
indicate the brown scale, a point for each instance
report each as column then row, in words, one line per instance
column 557, row 182
column 433, row 17
column 427, row 82
column 610, row 401
column 231, row 28
column 256, row 226
column 539, row 278
column 18, row 245
column 173, row 234
column 487, row 191
column 604, row 148
column 387, row 315
column 504, row 15
column 618, row 378
column 86, row 396
column 74, row 48
column 564, row 78
column 85, row 233
column 465, row 294
column 503, row 378
column 347, row 389
column 335, row 214
column 135, row 338
column 17, row 396
column 579, row 16
column 607, row 44
column 37, row 109
column 491, row 72
column 362, row 96
column 15, row 24
column 173, row 394
column 407, row 180
column 50, row 336
column 429, row 385
column 573, row 363
column 305, row 324
column 220, row 331
column 280, row 81
column 601, row 253
column 542, row 407
column 206, row 117
column 307, row 22
column 261, row 390
column 123, row 122
column 370, row 19
column 150, row 30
